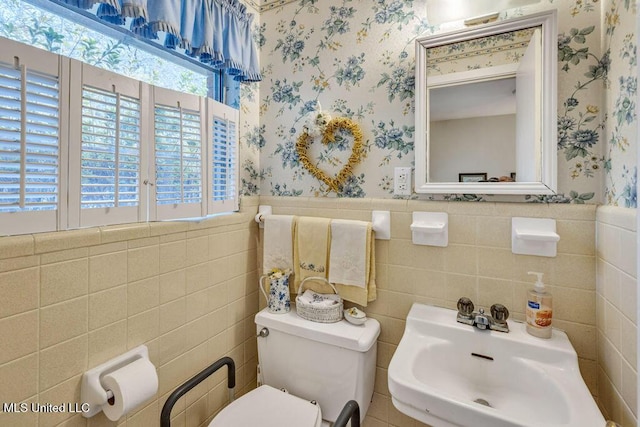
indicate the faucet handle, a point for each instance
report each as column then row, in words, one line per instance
column 465, row 306
column 499, row 312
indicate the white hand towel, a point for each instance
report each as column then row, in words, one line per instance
column 278, row 242
column 348, row 253
column 319, row 300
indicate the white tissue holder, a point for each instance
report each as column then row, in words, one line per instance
column 92, row 391
column 534, row 236
column 430, row 228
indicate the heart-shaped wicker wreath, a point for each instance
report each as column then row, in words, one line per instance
column 328, row 136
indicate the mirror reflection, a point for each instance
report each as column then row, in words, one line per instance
column 473, row 115
column 472, row 127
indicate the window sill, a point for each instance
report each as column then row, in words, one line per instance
column 34, row 244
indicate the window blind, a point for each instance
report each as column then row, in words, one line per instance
column 31, row 190
column 29, row 140
column 223, row 125
column 110, row 163
column 223, row 159
column 107, row 161
column 179, row 156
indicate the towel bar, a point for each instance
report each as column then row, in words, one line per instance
column 380, row 221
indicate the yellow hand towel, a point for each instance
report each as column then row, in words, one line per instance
column 311, row 252
column 312, row 239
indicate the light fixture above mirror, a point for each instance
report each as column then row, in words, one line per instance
column 497, row 81
column 441, row 11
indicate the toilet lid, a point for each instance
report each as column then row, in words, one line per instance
column 268, row 407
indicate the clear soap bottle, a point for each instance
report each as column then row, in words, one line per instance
column 539, row 309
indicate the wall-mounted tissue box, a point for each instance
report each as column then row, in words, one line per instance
column 430, row 228
column 534, row 236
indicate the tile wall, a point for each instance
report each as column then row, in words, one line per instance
column 616, row 310
column 478, row 263
column 72, row 300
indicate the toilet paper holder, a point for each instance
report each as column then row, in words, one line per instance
column 92, row 391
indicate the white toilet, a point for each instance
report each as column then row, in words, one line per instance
column 329, row 363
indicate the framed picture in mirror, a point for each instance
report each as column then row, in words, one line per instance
column 472, row 177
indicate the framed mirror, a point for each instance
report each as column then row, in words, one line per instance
column 486, row 108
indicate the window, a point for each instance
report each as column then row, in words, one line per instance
column 54, row 28
column 82, row 146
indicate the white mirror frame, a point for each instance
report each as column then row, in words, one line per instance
column 548, row 185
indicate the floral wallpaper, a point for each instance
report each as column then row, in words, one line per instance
column 355, row 59
column 506, row 48
column 250, row 129
column 619, row 66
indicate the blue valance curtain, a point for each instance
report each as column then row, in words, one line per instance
column 217, row 32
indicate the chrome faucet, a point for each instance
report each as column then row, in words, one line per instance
column 496, row 321
column 481, row 320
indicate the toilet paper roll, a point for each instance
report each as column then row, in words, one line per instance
column 131, row 385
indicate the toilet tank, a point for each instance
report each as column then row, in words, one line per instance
column 330, row 363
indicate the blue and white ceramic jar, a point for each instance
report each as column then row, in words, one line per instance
column 279, row 298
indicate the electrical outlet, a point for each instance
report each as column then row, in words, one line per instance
column 402, row 181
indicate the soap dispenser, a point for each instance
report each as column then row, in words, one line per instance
column 539, row 309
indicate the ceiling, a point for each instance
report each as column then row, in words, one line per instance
column 480, row 99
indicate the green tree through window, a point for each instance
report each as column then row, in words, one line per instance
column 25, row 23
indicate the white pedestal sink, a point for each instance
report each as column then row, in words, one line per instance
column 448, row 374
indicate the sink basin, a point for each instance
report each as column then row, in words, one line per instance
column 446, row 374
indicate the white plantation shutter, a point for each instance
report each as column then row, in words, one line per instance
column 223, row 166
column 179, row 155
column 110, row 149
column 82, row 146
column 106, row 167
column 30, row 191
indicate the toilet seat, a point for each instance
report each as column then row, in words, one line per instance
column 268, row 407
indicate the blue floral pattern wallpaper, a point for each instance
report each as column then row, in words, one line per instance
column 506, row 48
column 618, row 69
column 355, row 59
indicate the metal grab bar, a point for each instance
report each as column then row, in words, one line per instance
column 165, row 416
column 351, row 411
